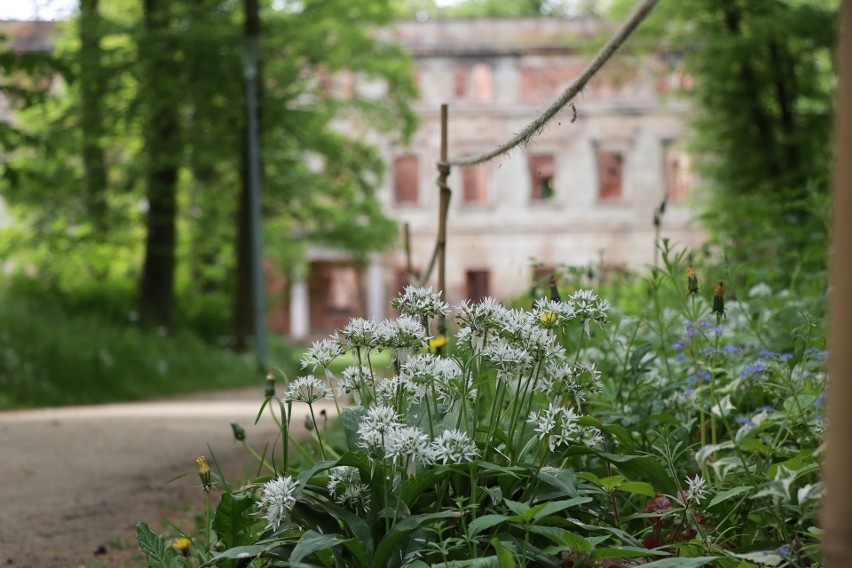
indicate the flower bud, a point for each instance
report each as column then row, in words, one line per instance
column 269, row 389
column 719, row 300
column 204, row 474
column 239, row 432
column 692, row 281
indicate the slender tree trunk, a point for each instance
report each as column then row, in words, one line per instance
column 163, row 147
column 243, row 323
column 837, row 505
column 92, row 78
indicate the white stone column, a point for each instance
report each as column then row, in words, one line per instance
column 300, row 306
column 375, row 284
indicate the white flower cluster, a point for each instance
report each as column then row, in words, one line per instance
column 322, row 353
column 383, row 434
column 697, row 490
column 353, row 379
column 307, row 389
column 438, row 374
column 588, row 306
column 277, row 500
column 346, row 488
column 420, row 303
column 359, row 333
column 556, row 424
column 400, row 333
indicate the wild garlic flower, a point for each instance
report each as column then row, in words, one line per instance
column 588, row 306
column 354, row 378
column 558, row 378
column 398, row 391
column 346, row 488
column 480, row 318
column 552, row 313
column 697, row 490
column 322, row 353
column 761, row 290
column 400, row 333
column 542, row 345
column 410, row 444
column 454, row 446
column 307, row 389
column 420, row 303
column 555, row 424
column 379, row 421
column 588, row 376
column 360, row 333
column 506, row 357
column 277, row 500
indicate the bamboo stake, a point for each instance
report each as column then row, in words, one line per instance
column 443, row 210
column 837, row 505
column 409, row 276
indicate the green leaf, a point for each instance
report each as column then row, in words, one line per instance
column 638, row 488
column 626, row 552
column 516, row 506
column 563, row 537
column 240, row 552
column 313, row 541
column 479, row 524
column 643, row 467
column 402, row 530
column 681, row 562
column 414, row 487
column 609, row 484
column 540, row 512
column 504, row 556
column 722, row 496
column 233, row 519
column 158, row 551
column 350, row 419
column 362, row 545
column 485, row 562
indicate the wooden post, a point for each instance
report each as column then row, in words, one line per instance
column 406, row 235
column 444, row 170
column 837, row 505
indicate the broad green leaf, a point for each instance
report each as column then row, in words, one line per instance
column 563, row 480
column 158, row 551
column 555, row 506
column 362, row 545
column 350, row 419
column 625, row 552
column 638, row 487
column 516, row 507
column 643, row 467
column 609, row 484
column 313, row 541
column 233, row 519
column 504, row 556
column 695, row 562
column 240, row 552
column 563, row 537
column 485, row 562
column 722, row 496
column 403, row 530
column 413, row 487
column 479, row 524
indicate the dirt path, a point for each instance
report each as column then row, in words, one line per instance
column 75, row 481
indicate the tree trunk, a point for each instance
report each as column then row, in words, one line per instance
column 837, row 505
column 92, row 78
column 243, row 323
column 163, row 147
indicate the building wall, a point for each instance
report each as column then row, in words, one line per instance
column 496, row 76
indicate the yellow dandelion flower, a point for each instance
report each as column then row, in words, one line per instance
column 438, row 341
column 548, row 318
column 204, row 473
column 182, row 545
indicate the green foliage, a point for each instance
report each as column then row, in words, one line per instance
column 319, row 185
column 54, row 356
column 761, row 79
column 700, row 446
column 158, row 551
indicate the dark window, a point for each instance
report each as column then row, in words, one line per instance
column 477, row 284
column 475, row 180
column 610, row 172
column 405, row 179
column 542, row 172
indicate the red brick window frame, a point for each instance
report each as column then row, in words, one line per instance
column 610, row 169
column 475, row 184
column 542, row 169
column 405, row 179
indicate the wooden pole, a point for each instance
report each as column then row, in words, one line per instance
column 837, row 504
column 444, row 172
column 406, row 235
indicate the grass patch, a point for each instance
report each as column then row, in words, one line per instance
column 52, row 357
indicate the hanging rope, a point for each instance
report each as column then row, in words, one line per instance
column 535, row 127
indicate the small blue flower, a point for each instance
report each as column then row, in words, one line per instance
column 784, row 550
column 732, row 349
column 688, row 392
column 820, row 400
column 681, row 357
column 691, row 380
column 679, row 345
column 766, row 408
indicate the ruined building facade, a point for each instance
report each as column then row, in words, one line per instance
column 583, row 193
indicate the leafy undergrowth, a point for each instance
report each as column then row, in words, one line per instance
column 684, row 432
